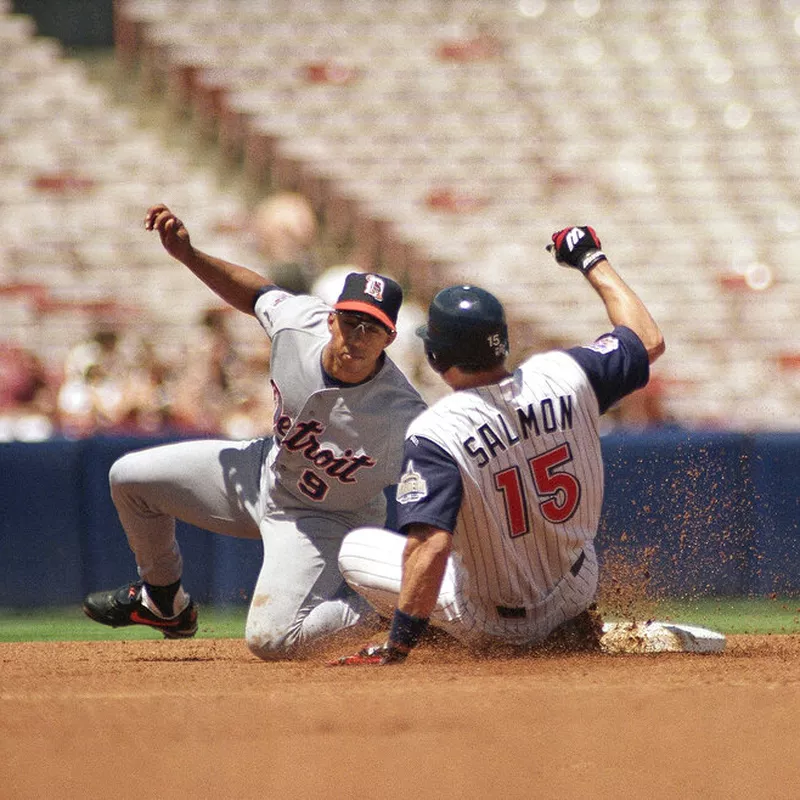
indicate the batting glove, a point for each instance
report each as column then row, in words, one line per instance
column 578, row 248
column 372, row 655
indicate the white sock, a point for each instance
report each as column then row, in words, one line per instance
column 178, row 604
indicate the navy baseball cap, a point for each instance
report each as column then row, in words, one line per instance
column 376, row 295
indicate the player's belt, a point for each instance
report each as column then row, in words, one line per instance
column 509, row 612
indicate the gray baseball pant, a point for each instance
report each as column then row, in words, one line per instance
column 299, row 597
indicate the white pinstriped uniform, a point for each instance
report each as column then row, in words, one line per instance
column 531, row 468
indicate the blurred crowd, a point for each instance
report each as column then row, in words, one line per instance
column 119, row 382
column 203, row 381
column 127, row 380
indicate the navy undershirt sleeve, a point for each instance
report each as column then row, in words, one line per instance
column 430, row 489
column 270, row 287
column 616, row 365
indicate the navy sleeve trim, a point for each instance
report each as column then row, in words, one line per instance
column 270, row 287
column 430, row 488
column 616, row 365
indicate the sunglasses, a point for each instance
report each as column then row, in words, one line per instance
column 352, row 320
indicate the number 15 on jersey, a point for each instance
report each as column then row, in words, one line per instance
column 558, row 492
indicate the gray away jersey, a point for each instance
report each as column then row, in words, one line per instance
column 529, row 459
column 337, row 447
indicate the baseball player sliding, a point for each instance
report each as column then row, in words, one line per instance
column 502, row 483
column 341, row 411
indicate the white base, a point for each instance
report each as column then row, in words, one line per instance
column 659, row 637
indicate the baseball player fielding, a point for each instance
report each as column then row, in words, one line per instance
column 341, row 411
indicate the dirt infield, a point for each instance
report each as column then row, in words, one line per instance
column 205, row 719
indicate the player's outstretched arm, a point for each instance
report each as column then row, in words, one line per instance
column 579, row 248
column 238, row 286
column 424, row 563
column 624, row 307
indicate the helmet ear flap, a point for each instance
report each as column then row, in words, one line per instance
column 439, row 363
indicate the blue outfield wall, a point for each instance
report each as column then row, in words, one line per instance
column 60, row 537
column 703, row 513
column 685, row 514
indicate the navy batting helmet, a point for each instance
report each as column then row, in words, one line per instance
column 466, row 328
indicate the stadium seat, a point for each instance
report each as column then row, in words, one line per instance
column 448, row 140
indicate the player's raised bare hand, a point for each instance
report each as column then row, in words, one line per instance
column 577, row 247
column 173, row 233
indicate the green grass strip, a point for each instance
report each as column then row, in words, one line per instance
column 71, row 625
column 734, row 615
column 730, row 615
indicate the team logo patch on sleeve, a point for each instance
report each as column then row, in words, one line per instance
column 275, row 297
column 604, row 345
column 412, row 486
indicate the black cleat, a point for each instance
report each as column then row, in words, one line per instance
column 121, row 607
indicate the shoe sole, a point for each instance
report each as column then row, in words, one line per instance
column 175, row 634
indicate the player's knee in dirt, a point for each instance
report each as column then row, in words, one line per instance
column 277, row 649
column 266, row 650
column 276, row 645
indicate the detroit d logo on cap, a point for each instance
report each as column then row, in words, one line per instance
column 374, row 287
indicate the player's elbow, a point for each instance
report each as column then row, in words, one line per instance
column 650, row 336
column 655, row 345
